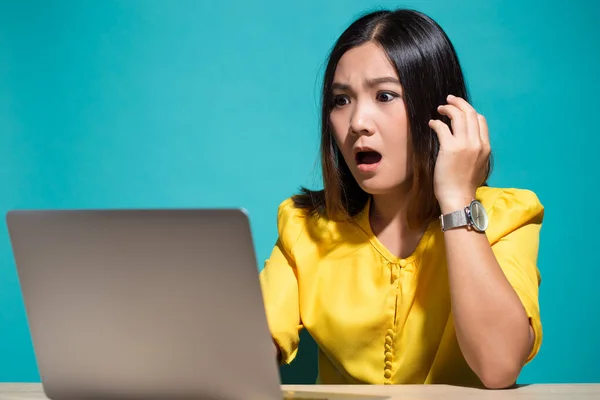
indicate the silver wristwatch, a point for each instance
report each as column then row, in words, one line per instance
column 473, row 216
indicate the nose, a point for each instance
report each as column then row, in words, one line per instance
column 361, row 120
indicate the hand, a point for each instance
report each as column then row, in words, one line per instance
column 277, row 352
column 462, row 161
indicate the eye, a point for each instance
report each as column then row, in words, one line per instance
column 386, row 97
column 340, row 100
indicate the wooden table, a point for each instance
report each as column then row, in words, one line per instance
column 33, row 391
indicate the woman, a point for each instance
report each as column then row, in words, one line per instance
column 407, row 267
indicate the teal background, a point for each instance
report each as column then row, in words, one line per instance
column 143, row 103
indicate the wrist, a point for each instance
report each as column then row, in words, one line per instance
column 455, row 203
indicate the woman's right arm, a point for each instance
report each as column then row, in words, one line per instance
column 279, row 284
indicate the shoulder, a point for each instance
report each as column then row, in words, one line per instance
column 509, row 209
column 308, row 230
column 291, row 222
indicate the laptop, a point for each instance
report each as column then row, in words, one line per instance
column 144, row 304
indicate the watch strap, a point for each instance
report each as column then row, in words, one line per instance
column 454, row 220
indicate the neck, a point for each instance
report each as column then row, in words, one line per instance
column 389, row 222
column 390, row 209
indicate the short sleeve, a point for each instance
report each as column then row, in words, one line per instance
column 279, row 284
column 514, row 232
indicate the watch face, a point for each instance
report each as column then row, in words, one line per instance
column 478, row 216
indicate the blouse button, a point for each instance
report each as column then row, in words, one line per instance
column 387, row 373
column 388, row 356
column 403, row 263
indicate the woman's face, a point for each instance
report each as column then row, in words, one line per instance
column 369, row 120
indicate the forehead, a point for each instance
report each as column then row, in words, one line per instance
column 366, row 61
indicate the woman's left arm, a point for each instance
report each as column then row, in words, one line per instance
column 492, row 326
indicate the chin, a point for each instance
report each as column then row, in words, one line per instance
column 378, row 185
column 373, row 187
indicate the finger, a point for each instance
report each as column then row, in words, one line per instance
column 442, row 130
column 457, row 119
column 460, row 103
column 471, row 116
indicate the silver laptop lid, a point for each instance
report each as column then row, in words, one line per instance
column 153, row 304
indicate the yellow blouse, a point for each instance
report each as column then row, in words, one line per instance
column 380, row 319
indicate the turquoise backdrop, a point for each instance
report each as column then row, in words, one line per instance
column 150, row 103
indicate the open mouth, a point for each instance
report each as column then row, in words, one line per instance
column 367, row 157
column 367, row 160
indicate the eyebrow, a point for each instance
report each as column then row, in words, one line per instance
column 370, row 83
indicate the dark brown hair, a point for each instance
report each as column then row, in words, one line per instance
column 429, row 70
